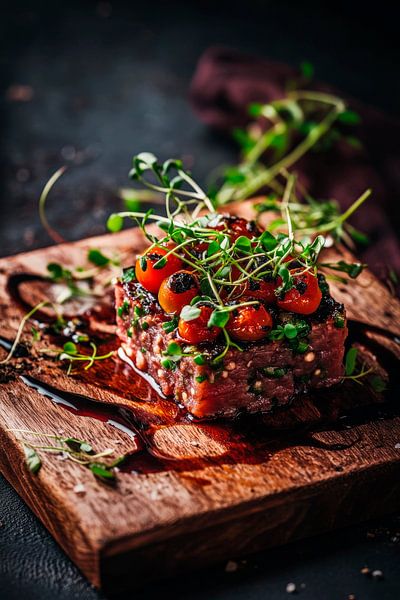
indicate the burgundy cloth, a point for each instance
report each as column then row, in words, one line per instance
column 226, row 82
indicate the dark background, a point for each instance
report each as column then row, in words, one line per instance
column 89, row 84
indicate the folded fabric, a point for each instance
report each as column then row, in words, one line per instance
column 226, row 82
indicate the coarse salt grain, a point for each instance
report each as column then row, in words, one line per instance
column 231, row 366
column 291, row 588
column 225, row 374
column 309, row 357
column 79, row 488
column 231, row 566
column 377, row 574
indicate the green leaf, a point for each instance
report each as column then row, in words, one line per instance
column 243, row 244
column 201, row 378
column 350, row 117
column 301, row 347
column 189, row 313
column 97, row 257
column 86, row 448
column 358, row 236
column 70, row 348
column 128, row 275
column 353, row 270
column 102, row 472
column 205, row 287
column 171, row 163
column 115, row 223
column 290, row 331
column 56, row 271
column 268, row 241
column 255, row 109
column 378, row 384
column 173, row 349
column 32, row 459
column 168, row 364
column 284, row 273
column 169, row 326
column 307, row 69
column 218, row 318
column 354, row 142
column 199, row 359
column 143, row 263
column 234, row 175
column 160, row 263
column 350, row 361
column 78, row 445
column 213, row 248
column 132, row 204
column 243, row 139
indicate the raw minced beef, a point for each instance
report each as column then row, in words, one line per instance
column 262, row 376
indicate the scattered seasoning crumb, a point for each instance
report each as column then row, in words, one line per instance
column 291, row 588
column 351, row 597
column 194, row 443
column 79, row 488
column 231, row 366
column 370, row 535
column 377, row 574
column 309, row 357
column 397, row 446
column 366, row 571
column 62, row 456
column 231, row 566
column 225, row 374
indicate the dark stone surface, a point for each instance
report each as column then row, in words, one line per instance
column 108, row 81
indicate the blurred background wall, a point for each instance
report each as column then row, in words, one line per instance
column 88, row 84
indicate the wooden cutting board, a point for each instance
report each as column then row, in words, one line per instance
column 216, row 508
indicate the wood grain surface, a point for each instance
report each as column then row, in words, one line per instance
column 157, row 523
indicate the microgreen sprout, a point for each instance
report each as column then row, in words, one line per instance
column 72, row 354
column 76, row 450
column 225, row 265
column 350, row 363
column 20, row 330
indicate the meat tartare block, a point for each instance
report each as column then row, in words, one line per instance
column 227, row 318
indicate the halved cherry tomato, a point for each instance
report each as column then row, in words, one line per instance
column 305, row 297
column 196, row 331
column 148, row 276
column 260, row 289
column 177, row 290
column 249, row 323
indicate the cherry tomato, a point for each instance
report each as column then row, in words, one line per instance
column 196, row 331
column 305, row 297
column 260, row 289
column 236, row 227
column 177, row 290
column 148, row 276
column 249, row 323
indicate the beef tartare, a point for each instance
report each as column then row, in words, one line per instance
column 228, row 318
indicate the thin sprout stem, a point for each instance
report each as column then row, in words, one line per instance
column 21, row 328
column 309, row 141
column 56, row 237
